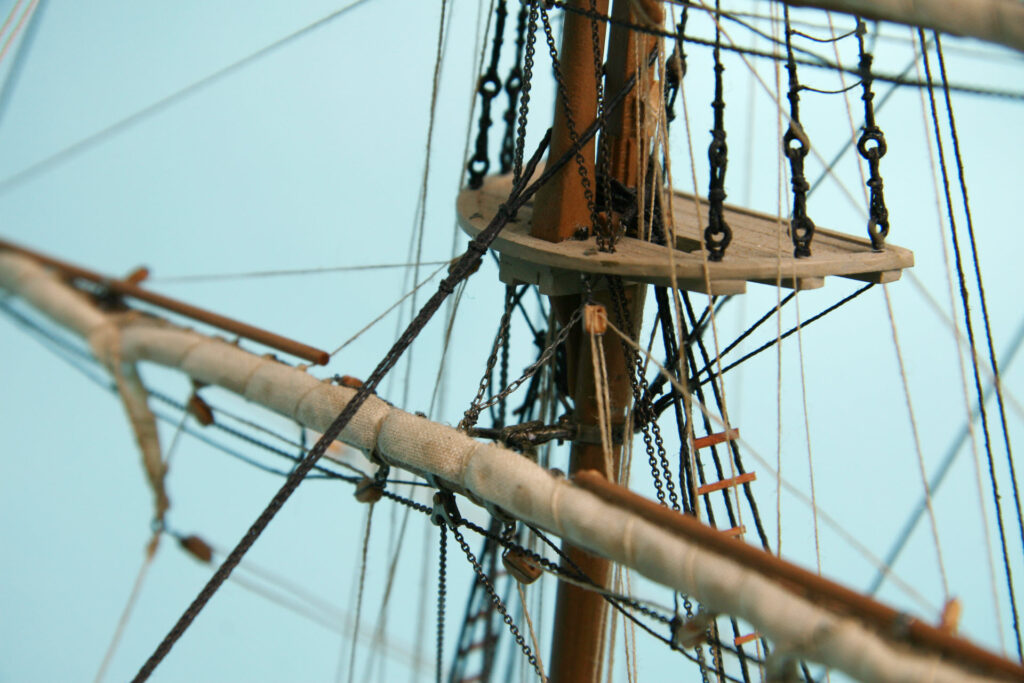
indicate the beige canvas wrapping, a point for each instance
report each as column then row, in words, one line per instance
column 797, row 627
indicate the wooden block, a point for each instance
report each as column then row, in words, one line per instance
column 735, row 531
column 799, row 283
column 879, row 278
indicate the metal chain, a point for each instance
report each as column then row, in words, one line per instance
column 671, row 346
column 498, row 603
column 472, row 413
column 538, row 364
column 649, row 427
column 688, row 605
column 718, row 234
column 715, row 646
column 442, row 590
column 570, row 123
column 605, row 232
column 503, row 377
column 872, row 147
column 490, row 86
column 524, row 100
column 796, row 146
column 513, row 85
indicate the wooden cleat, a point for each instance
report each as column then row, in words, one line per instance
column 726, row 483
column 736, row 531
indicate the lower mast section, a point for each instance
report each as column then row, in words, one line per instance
column 564, row 209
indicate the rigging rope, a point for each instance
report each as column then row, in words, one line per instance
column 954, row 240
column 127, row 122
column 462, row 269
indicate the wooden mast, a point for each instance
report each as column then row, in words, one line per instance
column 561, row 210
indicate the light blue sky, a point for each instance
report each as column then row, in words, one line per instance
column 312, row 156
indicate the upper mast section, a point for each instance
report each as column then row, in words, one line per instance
column 537, row 248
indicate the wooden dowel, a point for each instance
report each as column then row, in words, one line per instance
column 726, row 483
column 746, row 639
column 127, row 288
column 833, row 596
column 714, row 439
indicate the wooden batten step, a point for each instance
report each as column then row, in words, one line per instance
column 715, row 439
column 740, row 640
column 727, row 483
column 761, row 251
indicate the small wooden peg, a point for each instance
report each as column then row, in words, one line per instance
column 735, row 531
column 138, row 275
column 595, row 319
column 521, row 566
column 350, row 382
column 197, row 548
column 200, row 410
column 950, row 619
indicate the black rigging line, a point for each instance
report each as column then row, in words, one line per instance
column 709, row 366
column 970, row 333
column 519, row 300
column 977, row 278
column 851, row 142
column 127, row 122
column 939, row 476
column 734, row 451
column 81, row 359
column 465, row 266
column 820, row 62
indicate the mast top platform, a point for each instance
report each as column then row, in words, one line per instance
column 761, row 251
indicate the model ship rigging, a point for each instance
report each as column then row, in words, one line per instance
column 603, row 377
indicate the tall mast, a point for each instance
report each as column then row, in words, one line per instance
column 563, row 207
